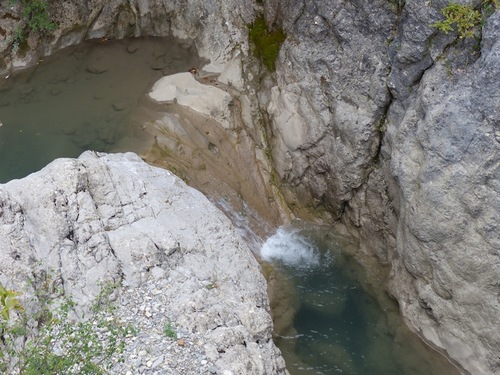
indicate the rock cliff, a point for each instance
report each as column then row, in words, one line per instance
column 376, row 120
column 392, row 127
column 217, row 28
column 175, row 258
column 442, row 148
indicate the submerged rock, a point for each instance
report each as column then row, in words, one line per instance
column 176, row 259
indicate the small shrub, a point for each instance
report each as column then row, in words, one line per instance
column 169, row 331
column 61, row 345
column 38, row 17
column 8, row 302
column 465, row 18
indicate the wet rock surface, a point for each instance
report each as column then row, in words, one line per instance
column 176, row 259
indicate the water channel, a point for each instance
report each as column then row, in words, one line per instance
column 93, row 96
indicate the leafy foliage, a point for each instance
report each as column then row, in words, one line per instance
column 52, row 342
column 465, row 18
column 37, row 15
column 266, row 43
column 8, row 302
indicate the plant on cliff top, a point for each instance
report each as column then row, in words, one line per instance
column 465, row 18
column 266, row 43
column 60, row 345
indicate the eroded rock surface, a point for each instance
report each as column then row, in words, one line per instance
column 359, row 78
column 378, row 120
column 186, row 91
column 331, row 94
column 443, row 150
column 176, row 258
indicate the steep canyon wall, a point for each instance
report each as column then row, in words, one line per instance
column 376, row 120
column 392, row 127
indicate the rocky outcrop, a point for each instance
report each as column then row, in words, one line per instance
column 174, row 256
column 330, row 97
column 392, row 127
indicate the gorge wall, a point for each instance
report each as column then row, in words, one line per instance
column 374, row 120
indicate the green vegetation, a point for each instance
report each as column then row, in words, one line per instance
column 465, row 18
column 50, row 341
column 37, row 18
column 36, row 13
column 8, row 302
column 213, row 284
column 169, row 331
column 266, row 43
column 381, row 125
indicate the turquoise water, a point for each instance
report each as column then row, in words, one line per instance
column 89, row 96
column 339, row 326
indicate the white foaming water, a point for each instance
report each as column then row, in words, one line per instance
column 291, row 248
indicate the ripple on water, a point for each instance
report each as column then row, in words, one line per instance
column 340, row 328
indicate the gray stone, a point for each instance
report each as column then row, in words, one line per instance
column 330, row 96
column 376, row 119
column 444, row 159
column 196, row 19
column 103, row 218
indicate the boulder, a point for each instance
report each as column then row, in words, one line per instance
column 175, row 258
column 185, row 90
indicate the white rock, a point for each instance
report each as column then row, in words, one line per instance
column 152, row 220
column 232, row 74
column 187, row 91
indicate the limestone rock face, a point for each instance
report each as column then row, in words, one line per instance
column 188, row 92
column 378, row 118
column 444, row 155
column 330, row 97
column 103, row 218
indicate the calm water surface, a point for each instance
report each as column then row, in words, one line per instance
column 83, row 97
